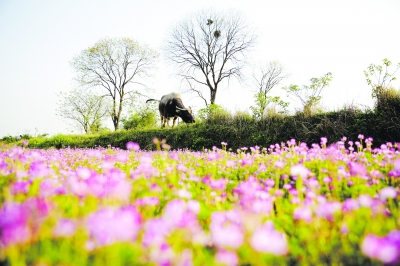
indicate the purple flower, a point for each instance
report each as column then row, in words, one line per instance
column 132, row 146
column 83, row 172
column 182, row 168
column 397, row 165
column 357, row 169
column 38, row 169
column 299, row 170
column 394, row 173
column 394, row 236
column 303, row 213
column 227, row 236
column 267, row 240
column 65, row 228
column 178, row 214
column 380, row 248
column 365, row 200
column 155, row 231
column 150, row 201
column 247, row 161
column 110, row 225
column 145, row 168
column 219, row 184
column 228, row 258
column 226, row 229
column 388, row 193
column 279, row 164
column 350, row 204
column 185, row 258
column 14, row 224
column 21, row 187
column 328, row 209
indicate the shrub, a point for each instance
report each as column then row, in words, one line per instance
column 388, row 100
column 144, row 117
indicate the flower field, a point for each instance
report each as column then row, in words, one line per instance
column 288, row 204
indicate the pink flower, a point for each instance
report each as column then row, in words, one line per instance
column 350, row 204
column 83, row 172
column 39, row 169
column 328, row 209
column 357, row 169
column 397, row 165
column 303, row 213
column 110, row 225
column 178, row 214
column 155, row 231
column 132, row 146
column 14, row 224
column 219, row 184
column 267, row 240
column 299, row 170
column 21, row 187
column 388, row 193
column 150, row 201
column 145, row 168
column 65, row 228
column 227, row 236
column 381, row 248
column 226, row 229
column 228, row 258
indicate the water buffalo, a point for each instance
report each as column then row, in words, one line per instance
column 171, row 106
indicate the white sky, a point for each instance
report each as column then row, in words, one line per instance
column 309, row 38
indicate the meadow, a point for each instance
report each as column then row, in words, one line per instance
column 286, row 204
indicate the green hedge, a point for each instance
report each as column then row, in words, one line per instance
column 244, row 131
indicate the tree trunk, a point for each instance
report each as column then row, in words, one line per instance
column 213, row 95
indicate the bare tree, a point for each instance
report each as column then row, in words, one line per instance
column 208, row 48
column 114, row 65
column 83, row 108
column 265, row 78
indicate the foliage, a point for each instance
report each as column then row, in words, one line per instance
column 212, row 111
column 209, row 47
column 268, row 106
column 309, row 96
column 83, row 108
column 142, row 118
column 243, row 130
column 388, row 101
column 378, row 76
column 114, row 66
column 287, row 204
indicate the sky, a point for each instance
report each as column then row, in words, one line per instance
column 38, row 39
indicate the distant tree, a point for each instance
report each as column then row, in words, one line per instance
column 265, row 78
column 268, row 106
column 309, row 96
column 83, row 108
column 382, row 78
column 209, row 47
column 114, row 65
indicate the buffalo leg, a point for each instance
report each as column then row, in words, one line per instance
column 173, row 124
column 162, row 120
